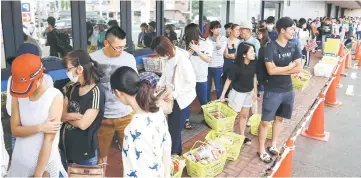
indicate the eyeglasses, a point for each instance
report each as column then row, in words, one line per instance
column 78, row 64
column 118, row 47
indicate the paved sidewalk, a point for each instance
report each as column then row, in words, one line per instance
column 248, row 163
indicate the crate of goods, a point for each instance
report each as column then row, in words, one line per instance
column 177, row 166
column 219, row 116
column 255, row 121
column 300, row 81
column 332, row 46
column 324, row 69
column 329, row 60
column 208, row 160
column 231, row 141
column 154, row 64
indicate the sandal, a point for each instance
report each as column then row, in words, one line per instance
column 188, row 125
column 273, row 150
column 247, row 141
column 265, row 157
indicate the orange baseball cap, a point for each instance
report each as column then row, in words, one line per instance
column 25, row 71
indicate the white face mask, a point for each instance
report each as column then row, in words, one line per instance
column 304, row 25
column 269, row 27
column 71, row 77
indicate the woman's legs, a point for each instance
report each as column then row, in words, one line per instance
column 176, row 122
column 218, row 81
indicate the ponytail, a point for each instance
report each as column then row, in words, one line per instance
column 94, row 72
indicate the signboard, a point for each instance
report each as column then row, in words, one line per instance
column 26, row 17
column 25, row 7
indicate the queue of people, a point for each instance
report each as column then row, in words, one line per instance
column 108, row 96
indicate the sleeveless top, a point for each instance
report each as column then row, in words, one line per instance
column 27, row 149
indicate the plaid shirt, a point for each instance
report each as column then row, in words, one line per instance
column 151, row 77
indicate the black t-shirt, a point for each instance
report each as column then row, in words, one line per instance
column 281, row 56
column 81, row 144
column 243, row 77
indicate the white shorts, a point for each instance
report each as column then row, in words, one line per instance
column 238, row 100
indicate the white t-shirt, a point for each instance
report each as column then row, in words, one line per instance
column 114, row 109
column 147, row 146
column 200, row 66
column 48, row 82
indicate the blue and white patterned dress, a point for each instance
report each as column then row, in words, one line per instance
column 147, row 146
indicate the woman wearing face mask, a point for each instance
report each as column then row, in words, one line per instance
column 35, row 154
column 230, row 52
column 243, row 78
column 83, row 110
column 200, row 50
column 304, row 37
column 215, row 68
column 147, row 143
column 181, row 78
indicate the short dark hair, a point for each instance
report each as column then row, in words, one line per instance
column 284, row 23
column 79, row 57
column 213, row 25
column 127, row 80
column 116, row 32
column 228, row 25
column 113, row 23
column 143, row 25
column 163, row 46
column 153, row 24
column 51, row 21
column 270, row 20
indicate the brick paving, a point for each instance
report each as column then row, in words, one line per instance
column 248, row 164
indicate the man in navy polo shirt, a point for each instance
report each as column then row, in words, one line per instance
column 282, row 59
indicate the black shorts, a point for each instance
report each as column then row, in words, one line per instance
column 277, row 104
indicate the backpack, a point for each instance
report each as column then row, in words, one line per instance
column 63, row 42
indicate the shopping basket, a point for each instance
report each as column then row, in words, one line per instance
column 154, row 64
column 232, row 149
column 255, row 121
column 225, row 124
column 197, row 169
column 301, row 82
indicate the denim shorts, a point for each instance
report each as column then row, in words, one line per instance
column 277, row 104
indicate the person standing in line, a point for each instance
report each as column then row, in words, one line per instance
column 200, row 50
column 52, row 39
column 228, row 29
column 230, row 52
column 116, row 114
column 147, row 143
column 270, row 23
column 35, row 153
column 282, row 59
column 178, row 74
column 304, row 38
column 215, row 68
column 83, row 110
column 243, row 78
column 358, row 30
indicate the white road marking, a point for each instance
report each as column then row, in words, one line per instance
column 353, row 75
column 350, row 90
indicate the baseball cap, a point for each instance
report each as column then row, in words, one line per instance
column 152, row 78
column 25, row 75
column 27, row 48
column 245, row 25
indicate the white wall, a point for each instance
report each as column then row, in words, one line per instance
column 244, row 10
column 353, row 13
column 304, row 9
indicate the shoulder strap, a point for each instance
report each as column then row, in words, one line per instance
column 173, row 77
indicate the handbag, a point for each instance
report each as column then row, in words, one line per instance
column 165, row 93
column 76, row 170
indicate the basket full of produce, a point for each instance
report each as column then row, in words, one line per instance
column 301, row 80
column 208, row 160
column 219, row 116
column 154, row 63
column 177, row 166
column 231, row 141
column 255, row 120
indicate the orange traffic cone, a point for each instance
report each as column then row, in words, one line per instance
column 316, row 129
column 338, row 76
column 331, row 100
column 348, row 60
column 342, row 67
column 285, row 169
column 358, row 54
column 341, row 52
column 357, row 49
